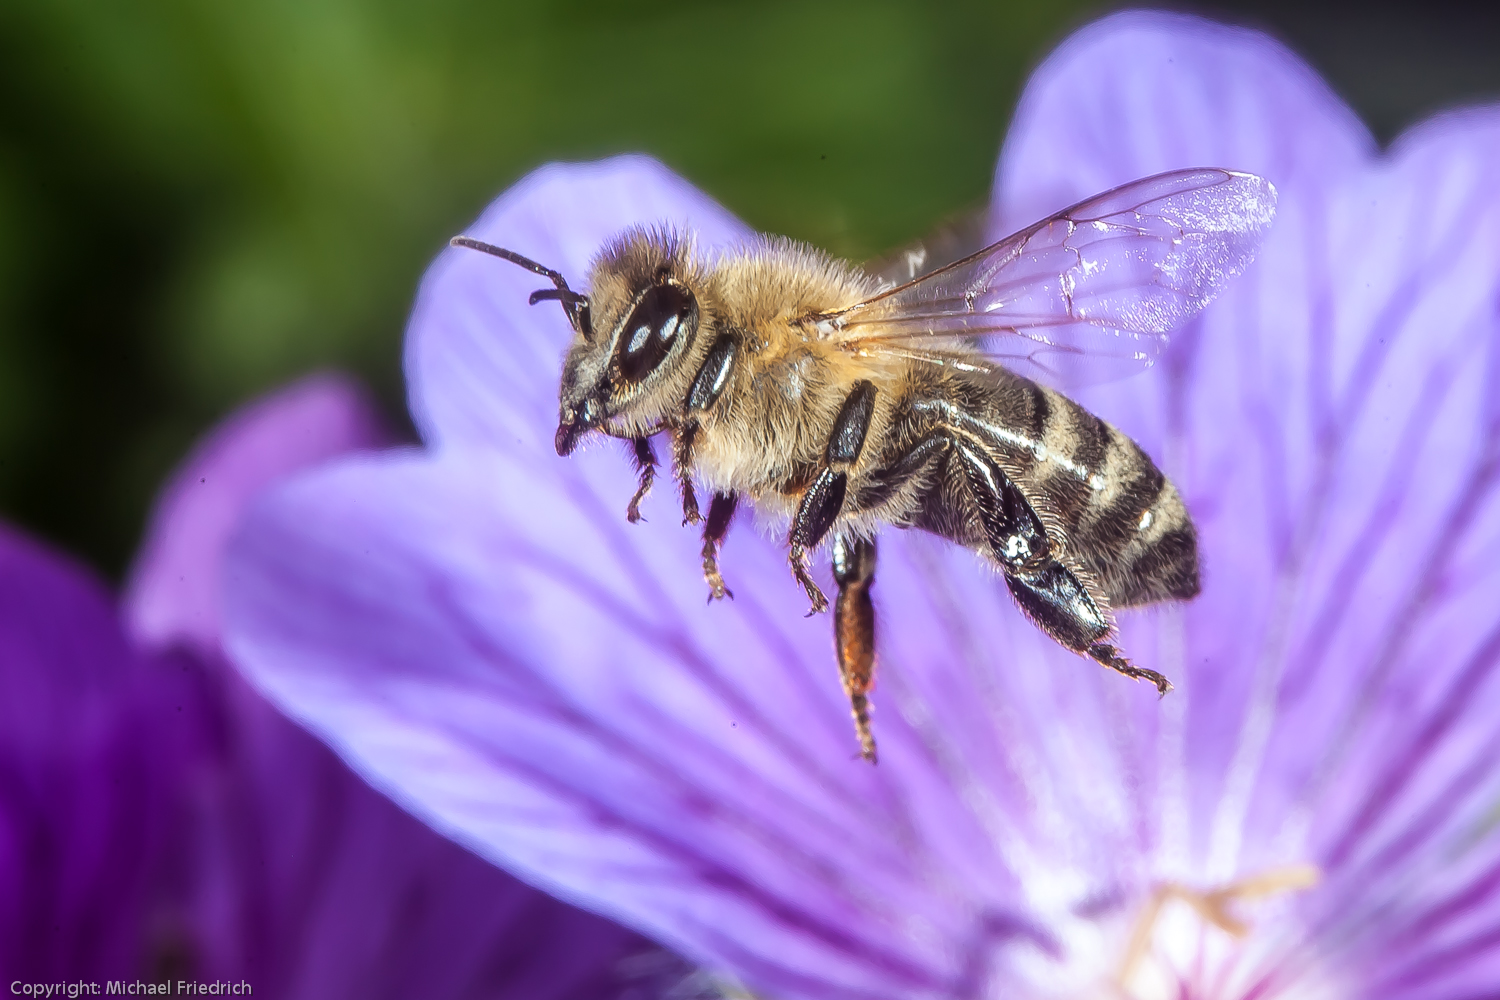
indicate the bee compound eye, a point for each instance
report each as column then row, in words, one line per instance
column 665, row 313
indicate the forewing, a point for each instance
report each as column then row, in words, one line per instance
column 1089, row 294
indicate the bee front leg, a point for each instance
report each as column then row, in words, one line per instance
column 708, row 385
column 720, row 513
column 854, row 631
column 682, row 469
column 645, row 467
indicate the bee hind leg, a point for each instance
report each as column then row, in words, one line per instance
column 1108, row 655
column 1055, row 599
column 1049, row 593
column 854, row 631
column 720, row 513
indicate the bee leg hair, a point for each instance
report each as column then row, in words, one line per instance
column 682, row 468
column 854, row 630
column 645, row 467
column 720, row 513
column 1017, row 539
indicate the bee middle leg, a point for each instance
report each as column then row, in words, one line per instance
column 824, row 500
column 816, row 513
column 1049, row 593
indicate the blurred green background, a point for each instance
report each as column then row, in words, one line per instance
column 201, row 199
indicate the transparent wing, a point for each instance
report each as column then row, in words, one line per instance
column 1090, row 294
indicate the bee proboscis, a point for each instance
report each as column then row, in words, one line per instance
column 843, row 402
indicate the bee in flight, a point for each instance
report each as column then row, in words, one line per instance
column 842, row 399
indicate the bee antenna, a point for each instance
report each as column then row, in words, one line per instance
column 576, row 306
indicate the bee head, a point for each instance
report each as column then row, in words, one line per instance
column 647, row 316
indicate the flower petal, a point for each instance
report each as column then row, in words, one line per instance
column 1331, row 422
column 476, row 632
column 1141, row 92
column 90, row 751
column 311, row 884
column 415, row 511
column 173, row 592
column 523, row 675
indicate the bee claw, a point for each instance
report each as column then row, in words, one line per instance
column 866, row 750
column 716, row 589
column 814, row 592
column 1109, row 656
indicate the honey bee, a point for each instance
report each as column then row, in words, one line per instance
column 842, row 399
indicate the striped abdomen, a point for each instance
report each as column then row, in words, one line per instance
column 1107, row 508
column 1123, row 519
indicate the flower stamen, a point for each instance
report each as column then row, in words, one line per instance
column 1212, row 907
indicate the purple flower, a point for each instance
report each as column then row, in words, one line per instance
column 159, row 819
column 478, row 630
column 89, row 752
